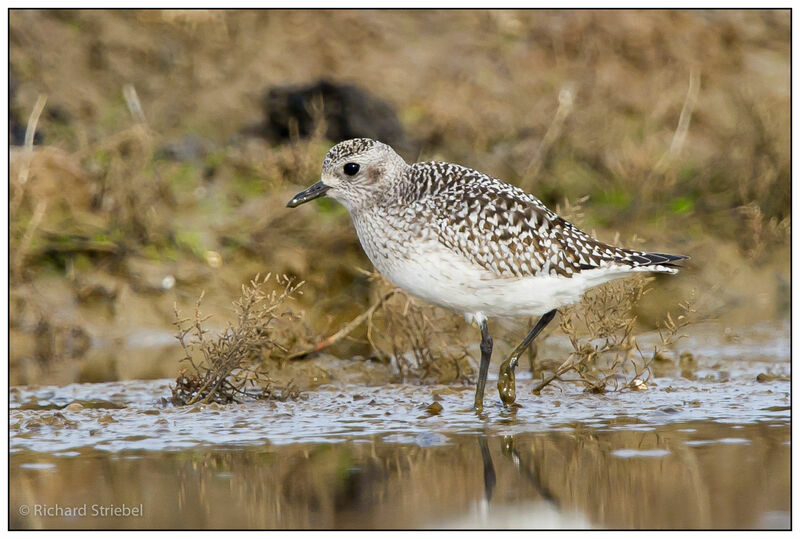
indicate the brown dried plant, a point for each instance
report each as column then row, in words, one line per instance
column 670, row 331
column 424, row 341
column 229, row 365
column 605, row 352
column 759, row 234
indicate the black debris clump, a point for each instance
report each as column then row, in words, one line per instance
column 347, row 112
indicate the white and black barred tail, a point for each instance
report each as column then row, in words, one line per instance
column 641, row 261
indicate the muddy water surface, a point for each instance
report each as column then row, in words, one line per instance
column 708, row 452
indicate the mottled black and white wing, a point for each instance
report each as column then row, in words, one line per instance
column 511, row 233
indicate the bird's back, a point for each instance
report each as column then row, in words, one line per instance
column 506, row 231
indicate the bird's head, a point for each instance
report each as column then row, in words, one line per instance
column 355, row 172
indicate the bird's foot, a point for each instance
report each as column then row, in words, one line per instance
column 506, row 383
column 477, row 407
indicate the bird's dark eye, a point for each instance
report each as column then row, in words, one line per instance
column 351, row 169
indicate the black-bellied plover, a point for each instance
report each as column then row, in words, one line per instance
column 468, row 242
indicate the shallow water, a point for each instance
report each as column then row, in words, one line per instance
column 713, row 452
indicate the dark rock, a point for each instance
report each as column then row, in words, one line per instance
column 349, row 112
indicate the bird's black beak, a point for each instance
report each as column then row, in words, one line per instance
column 315, row 191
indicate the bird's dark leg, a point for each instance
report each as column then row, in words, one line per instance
column 526, row 342
column 486, row 355
column 506, row 384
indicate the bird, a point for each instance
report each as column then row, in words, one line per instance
column 470, row 243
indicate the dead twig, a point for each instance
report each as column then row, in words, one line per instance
column 564, row 367
column 679, row 137
column 133, row 103
column 344, row 331
column 565, row 105
column 25, row 169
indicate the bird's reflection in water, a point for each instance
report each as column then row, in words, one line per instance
column 527, row 468
column 489, row 477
